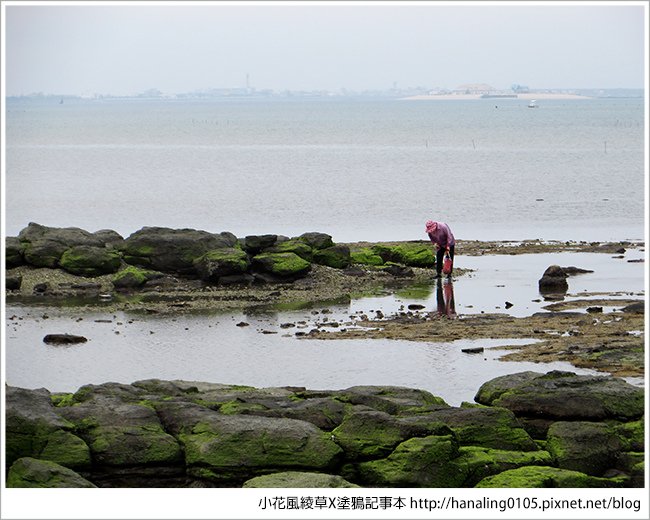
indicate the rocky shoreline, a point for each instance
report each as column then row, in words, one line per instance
column 524, row 430
column 164, row 269
column 169, row 271
column 528, row 429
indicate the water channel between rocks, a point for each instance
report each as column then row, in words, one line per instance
column 125, row 347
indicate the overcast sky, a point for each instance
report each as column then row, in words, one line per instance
column 93, row 48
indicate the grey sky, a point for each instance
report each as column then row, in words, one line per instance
column 95, row 48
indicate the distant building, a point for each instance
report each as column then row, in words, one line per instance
column 474, row 88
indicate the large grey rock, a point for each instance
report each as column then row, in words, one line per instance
column 391, row 399
column 336, row 256
column 216, row 264
column 34, row 429
column 544, row 477
column 300, row 248
column 70, row 236
column 123, row 434
column 591, row 448
column 493, row 427
column 564, row 396
column 298, row 479
column 281, row 266
column 417, row 462
column 90, row 260
column 553, row 281
column 225, row 447
column 254, row 244
column 172, row 250
column 28, row 472
column 14, row 250
column 44, row 246
column 316, row 240
column 368, row 434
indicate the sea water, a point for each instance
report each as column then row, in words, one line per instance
column 363, row 169
column 358, row 169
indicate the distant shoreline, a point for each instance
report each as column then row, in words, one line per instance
column 465, row 97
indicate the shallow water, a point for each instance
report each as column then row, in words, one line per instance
column 125, row 347
column 213, row 348
column 495, row 280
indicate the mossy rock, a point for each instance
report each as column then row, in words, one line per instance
column 237, row 407
column 298, row 479
column 336, row 256
column 90, row 260
column 227, row 448
column 172, row 250
column 254, row 244
column 413, row 254
column 132, row 277
column 44, row 253
column 325, row 413
column 28, row 472
column 62, row 399
column 283, row 265
column 394, row 400
column 218, row 263
column 368, row 434
column 632, row 435
column 300, row 248
column 14, row 250
column 119, row 433
column 66, row 449
column 30, row 421
column 133, row 445
column 588, row 447
column 546, row 477
column 243, row 446
column 316, row 240
column 366, row 256
column 492, row 427
column 417, row 462
column 564, row 396
column 476, row 463
column 45, row 245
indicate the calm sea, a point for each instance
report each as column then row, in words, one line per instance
column 362, row 169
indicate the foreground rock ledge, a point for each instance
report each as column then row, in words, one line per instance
column 529, row 430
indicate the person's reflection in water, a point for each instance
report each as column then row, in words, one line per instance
column 445, row 298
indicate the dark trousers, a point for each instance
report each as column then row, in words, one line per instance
column 440, row 255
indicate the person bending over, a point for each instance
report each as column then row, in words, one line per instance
column 444, row 242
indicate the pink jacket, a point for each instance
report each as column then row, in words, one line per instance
column 442, row 236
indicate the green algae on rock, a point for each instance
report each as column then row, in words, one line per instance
column 28, row 472
column 90, row 261
column 185, row 433
column 284, row 265
column 298, row 479
column 547, row 477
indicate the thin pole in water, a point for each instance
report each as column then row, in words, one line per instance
column 605, row 146
column 473, row 144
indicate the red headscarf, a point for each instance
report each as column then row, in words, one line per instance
column 431, row 226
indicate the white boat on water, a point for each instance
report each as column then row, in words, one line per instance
column 532, row 104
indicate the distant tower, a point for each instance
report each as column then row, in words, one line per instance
column 248, row 83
